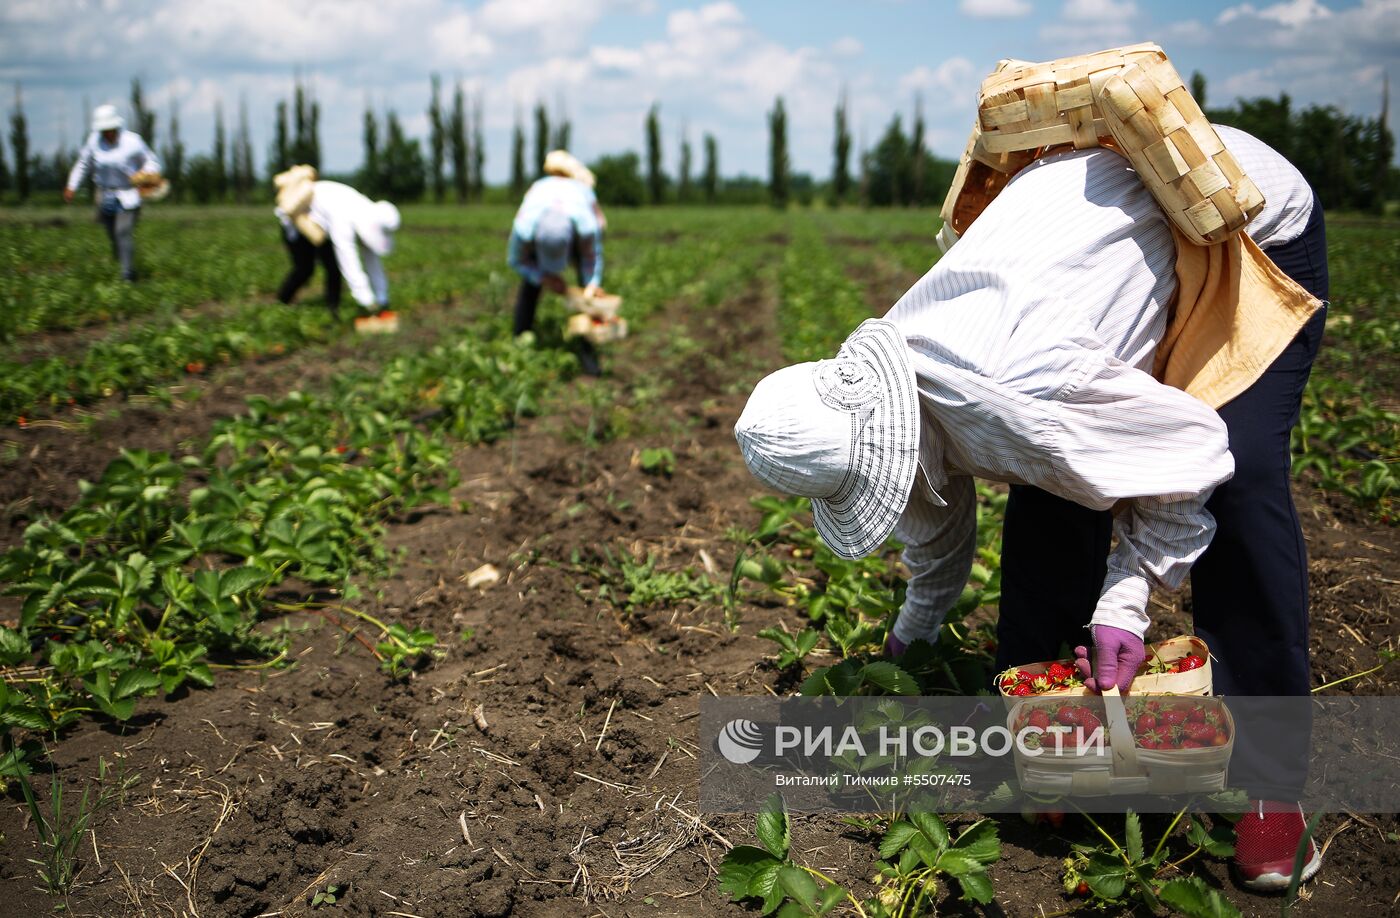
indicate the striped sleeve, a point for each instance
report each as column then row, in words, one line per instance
column 939, row 547
column 1121, row 434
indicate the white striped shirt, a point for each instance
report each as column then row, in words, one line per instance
column 1033, row 340
column 113, row 164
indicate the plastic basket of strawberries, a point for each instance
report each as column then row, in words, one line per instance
column 1179, row 666
column 1097, row 746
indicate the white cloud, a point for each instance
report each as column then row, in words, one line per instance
column 1369, row 30
column 1098, row 10
column 553, row 25
column 1289, row 13
column 847, row 46
column 995, row 9
column 949, row 87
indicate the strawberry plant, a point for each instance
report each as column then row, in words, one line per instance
column 1120, row 874
column 916, row 852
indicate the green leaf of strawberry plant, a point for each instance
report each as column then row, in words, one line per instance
column 1106, row 875
column 740, row 871
column 1132, row 835
column 1217, row 841
column 889, row 677
column 773, row 828
column 1193, row 898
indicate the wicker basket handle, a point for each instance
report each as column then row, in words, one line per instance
column 1120, row 735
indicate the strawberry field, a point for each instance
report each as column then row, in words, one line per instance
column 297, row 622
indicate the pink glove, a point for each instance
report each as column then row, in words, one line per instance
column 1117, row 656
column 894, row 647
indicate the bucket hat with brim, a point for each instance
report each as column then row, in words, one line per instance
column 842, row 432
column 107, row 118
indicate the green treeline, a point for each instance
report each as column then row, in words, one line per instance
column 1346, row 158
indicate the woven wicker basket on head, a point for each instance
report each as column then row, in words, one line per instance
column 1131, row 99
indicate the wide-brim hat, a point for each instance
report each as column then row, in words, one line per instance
column 107, row 118
column 842, row 432
column 564, row 163
column 376, row 226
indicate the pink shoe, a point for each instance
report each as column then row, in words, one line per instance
column 1266, row 841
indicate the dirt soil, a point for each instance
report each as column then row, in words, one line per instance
column 546, row 765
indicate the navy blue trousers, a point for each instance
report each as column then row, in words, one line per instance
column 1249, row 590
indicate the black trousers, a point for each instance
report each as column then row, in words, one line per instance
column 1249, row 590
column 304, row 256
column 527, row 302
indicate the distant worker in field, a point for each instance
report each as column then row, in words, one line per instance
column 558, row 224
column 304, row 253
column 1026, row 355
column 359, row 231
column 120, row 163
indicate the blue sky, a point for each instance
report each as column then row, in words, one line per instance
column 713, row 67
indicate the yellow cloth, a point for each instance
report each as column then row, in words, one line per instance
column 1235, row 312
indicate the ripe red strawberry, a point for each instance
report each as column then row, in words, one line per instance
column 1082, row 889
column 1201, row 733
column 1173, row 717
column 1146, row 722
column 1189, row 743
column 1068, row 714
column 1196, row 716
column 1041, row 684
column 1008, row 678
column 1059, row 672
column 1089, row 721
column 1189, row 662
column 1020, row 689
column 1039, row 718
column 1155, row 739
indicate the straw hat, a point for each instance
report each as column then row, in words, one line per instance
column 843, row 432
column 107, row 118
column 295, row 188
column 565, row 164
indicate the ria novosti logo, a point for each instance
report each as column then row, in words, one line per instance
column 740, row 741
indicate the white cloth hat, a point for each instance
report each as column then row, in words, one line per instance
column 843, row 432
column 106, row 118
column 376, row 227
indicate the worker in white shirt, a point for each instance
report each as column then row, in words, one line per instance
column 360, row 231
column 559, row 223
column 112, row 155
column 1025, row 356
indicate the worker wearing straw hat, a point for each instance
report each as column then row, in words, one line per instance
column 359, row 231
column 113, row 155
column 1025, row 356
column 558, row 223
column 300, row 183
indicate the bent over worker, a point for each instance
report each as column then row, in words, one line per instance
column 1249, row 588
column 1025, row 356
column 360, row 231
column 559, row 223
